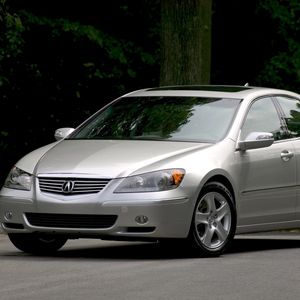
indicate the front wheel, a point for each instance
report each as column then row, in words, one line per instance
column 214, row 220
column 37, row 244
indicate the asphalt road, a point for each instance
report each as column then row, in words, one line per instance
column 255, row 267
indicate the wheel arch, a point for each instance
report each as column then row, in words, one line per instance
column 223, row 180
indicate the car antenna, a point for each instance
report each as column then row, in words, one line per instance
column 246, row 84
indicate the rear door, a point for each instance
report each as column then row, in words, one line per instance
column 290, row 108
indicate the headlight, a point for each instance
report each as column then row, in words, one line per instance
column 152, row 182
column 18, row 179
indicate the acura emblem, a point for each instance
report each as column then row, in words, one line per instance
column 68, row 187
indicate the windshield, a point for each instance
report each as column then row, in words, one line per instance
column 162, row 118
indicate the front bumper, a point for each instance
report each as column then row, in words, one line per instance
column 139, row 217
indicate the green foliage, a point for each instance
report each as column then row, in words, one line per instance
column 12, row 42
column 116, row 59
column 282, row 69
column 55, row 72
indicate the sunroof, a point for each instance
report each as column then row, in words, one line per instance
column 213, row 88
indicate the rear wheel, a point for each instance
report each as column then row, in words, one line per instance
column 214, row 220
column 37, row 244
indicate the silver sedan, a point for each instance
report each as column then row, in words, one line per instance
column 192, row 163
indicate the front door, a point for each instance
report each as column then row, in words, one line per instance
column 268, row 175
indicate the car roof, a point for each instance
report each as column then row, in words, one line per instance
column 218, row 91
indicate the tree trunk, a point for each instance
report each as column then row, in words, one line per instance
column 186, row 42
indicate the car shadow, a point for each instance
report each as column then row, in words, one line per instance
column 256, row 244
column 156, row 251
column 175, row 251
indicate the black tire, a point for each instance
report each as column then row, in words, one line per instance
column 214, row 220
column 37, row 244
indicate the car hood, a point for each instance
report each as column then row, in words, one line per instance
column 110, row 158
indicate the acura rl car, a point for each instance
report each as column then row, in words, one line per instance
column 192, row 163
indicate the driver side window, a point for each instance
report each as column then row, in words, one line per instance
column 263, row 117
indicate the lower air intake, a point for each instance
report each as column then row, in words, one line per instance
column 71, row 221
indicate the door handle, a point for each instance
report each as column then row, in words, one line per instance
column 286, row 155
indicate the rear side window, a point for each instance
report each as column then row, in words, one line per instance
column 291, row 110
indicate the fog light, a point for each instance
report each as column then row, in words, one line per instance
column 8, row 215
column 141, row 219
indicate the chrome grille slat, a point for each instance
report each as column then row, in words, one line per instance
column 81, row 185
column 50, row 189
column 91, row 182
column 50, row 185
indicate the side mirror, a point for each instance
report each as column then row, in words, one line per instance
column 256, row 140
column 62, row 133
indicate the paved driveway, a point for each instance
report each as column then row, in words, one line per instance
column 256, row 267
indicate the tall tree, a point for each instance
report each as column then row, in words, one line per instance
column 185, row 41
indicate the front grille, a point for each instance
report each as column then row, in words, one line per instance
column 71, row 221
column 72, row 186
